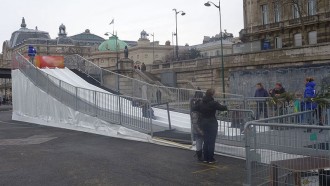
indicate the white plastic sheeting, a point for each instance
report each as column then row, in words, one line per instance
column 30, row 104
column 179, row 121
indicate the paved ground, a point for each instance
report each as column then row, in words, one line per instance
column 37, row 155
column 5, row 107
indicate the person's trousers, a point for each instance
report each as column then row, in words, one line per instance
column 210, row 135
column 262, row 108
column 199, row 142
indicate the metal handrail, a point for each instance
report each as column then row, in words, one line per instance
column 90, row 103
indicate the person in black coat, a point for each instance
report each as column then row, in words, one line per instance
column 209, row 124
column 261, row 105
column 198, row 93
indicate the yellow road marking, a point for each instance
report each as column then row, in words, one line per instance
column 203, row 170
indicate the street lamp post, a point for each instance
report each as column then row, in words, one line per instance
column 153, row 47
column 117, row 57
column 221, row 38
column 176, row 30
column 173, row 34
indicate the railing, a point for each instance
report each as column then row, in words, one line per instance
column 231, row 134
column 106, row 106
column 287, row 150
column 177, row 98
column 306, row 19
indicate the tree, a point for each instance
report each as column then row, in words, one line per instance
column 194, row 53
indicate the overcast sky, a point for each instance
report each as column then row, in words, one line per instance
column 131, row 17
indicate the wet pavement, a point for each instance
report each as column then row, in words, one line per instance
column 35, row 155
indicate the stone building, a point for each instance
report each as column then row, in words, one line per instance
column 272, row 24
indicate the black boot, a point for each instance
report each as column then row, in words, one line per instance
column 199, row 155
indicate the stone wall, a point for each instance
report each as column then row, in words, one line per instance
column 206, row 73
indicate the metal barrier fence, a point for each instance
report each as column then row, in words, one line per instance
column 116, row 109
column 287, row 150
column 177, row 98
column 230, row 138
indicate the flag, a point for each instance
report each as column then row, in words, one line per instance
column 112, row 22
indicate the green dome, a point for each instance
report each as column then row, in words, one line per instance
column 110, row 44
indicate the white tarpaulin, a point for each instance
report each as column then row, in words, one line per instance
column 30, row 104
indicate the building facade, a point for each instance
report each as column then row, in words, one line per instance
column 276, row 24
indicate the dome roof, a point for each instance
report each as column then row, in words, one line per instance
column 87, row 36
column 24, row 34
column 110, row 44
column 65, row 41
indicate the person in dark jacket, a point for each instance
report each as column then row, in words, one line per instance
column 277, row 91
column 159, row 96
column 198, row 93
column 261, row 105
column 209, row 124
column 196, row 128
column 143, row 67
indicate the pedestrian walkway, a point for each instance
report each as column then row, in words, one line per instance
column 6, row 107
column 38, row 155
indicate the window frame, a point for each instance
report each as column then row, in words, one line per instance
column 277, row 12
column 311, row 11
column 295, row 41
column 309, row 38
column 264, row 14
column 277, row 46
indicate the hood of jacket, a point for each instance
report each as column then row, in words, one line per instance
column 207, row 99
column 311, row 84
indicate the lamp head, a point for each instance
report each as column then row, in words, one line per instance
column 183, row 13
column 207, row 4
column 106, row 34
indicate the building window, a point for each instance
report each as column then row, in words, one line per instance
column 311, row 7
column 264, row 13
column 277, row 12
column 278, row 42
column 295, row 10
column 312, row 37
column 298, row 39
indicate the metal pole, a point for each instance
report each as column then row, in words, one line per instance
column 222, row 65
column 117, row 65
column 168, row 116
column 176, row 35
column 5, row 91
column 173, row 45
column 153, row 47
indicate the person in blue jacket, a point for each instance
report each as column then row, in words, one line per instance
column 309, row 93
column 308, row 103
column 32, row 53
